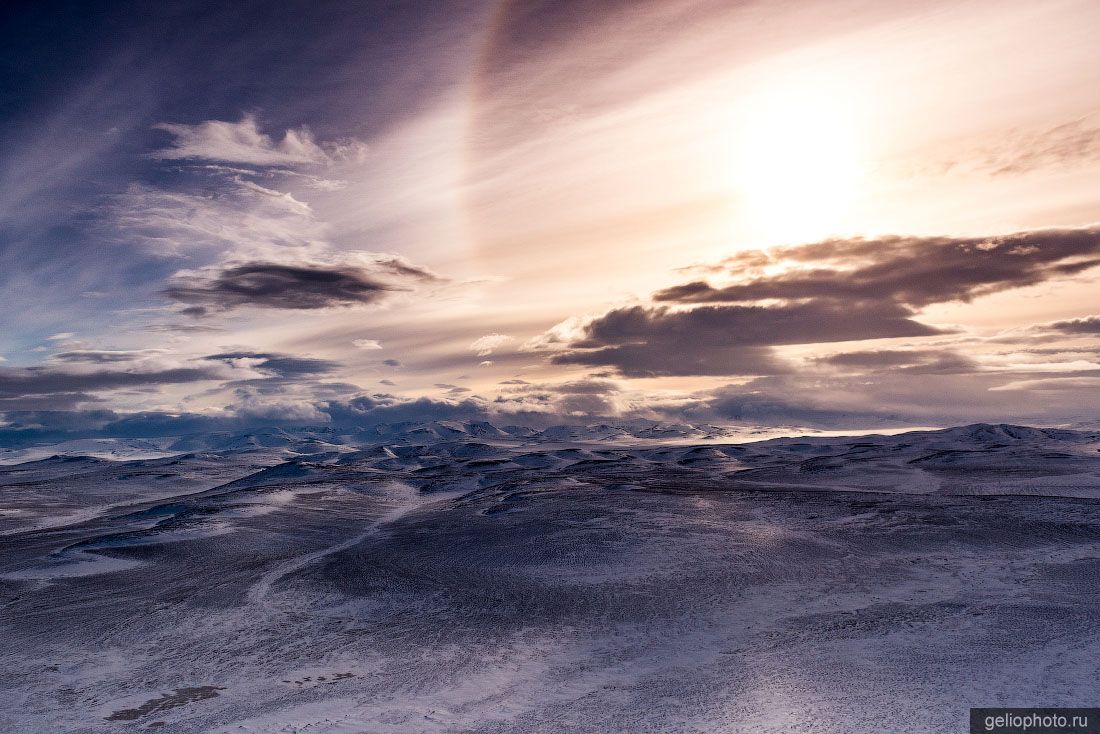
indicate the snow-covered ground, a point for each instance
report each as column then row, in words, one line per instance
column 463, row 577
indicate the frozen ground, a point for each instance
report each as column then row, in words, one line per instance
column 463, row 578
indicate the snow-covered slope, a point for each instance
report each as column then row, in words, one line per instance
column 446, row 577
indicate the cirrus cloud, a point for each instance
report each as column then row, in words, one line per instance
column 243, row 142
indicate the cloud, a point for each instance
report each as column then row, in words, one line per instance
column 75, row 384
column 1084, row 325
column 391, row 362
column 585, row 397
column 282, row 392
column 47, row 423
column 367, row 344
column 92, row 356
column 831, row 291
column 1052, row 385
column 928, row 361
column 642, row 341
column 1021, row 151
column 276, row 364
column 1067, row 143
column 243, row 142
column 894, row 397
column 181, row 328
column 484, row 346
column 277, row 386
column 274, row 285
column 237, row 217
column 241, row 381
column 910, row 271
column 302, row 285
column 580, row 387
column 377, row 409
column 763, row 404
column 83, row 376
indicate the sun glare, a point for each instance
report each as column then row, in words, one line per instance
column 798, row 161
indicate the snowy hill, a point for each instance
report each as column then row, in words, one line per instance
column 413, row 577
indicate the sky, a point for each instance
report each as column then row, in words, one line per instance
column 842, row 214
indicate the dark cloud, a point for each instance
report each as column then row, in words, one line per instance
column 51, row 401
column 279, row 365
column 21, row 427
column 183, row 328
column 304, row 286
column 91, row 356
column 893, row 397
column 43, row 381
column 45, row 425
column 391, row 362
column 1086, row 325
column 573, row 387
column 744, row 404
column 727, row 340
column 909, row 271
column 385, row 408
column 930, row 361
column 452, row 389
column 831, row 291
column 585, row 397
column 585, row 387
column 75, row 377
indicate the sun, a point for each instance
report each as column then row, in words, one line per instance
column 798, row 160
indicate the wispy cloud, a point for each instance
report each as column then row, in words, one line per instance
column 1023, row 150
column 243, row 142
column 238, row 217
